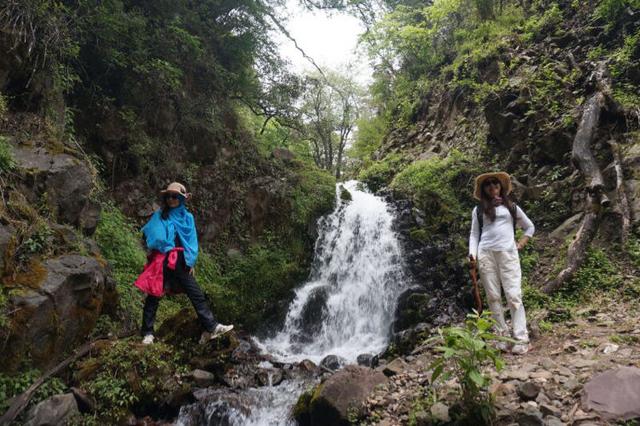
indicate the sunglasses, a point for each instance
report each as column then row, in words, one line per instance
column 493, row 182
column 172, row 196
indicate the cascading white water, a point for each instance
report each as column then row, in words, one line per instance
column 345, row 308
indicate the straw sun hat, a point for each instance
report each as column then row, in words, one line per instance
column 176, row 188
column 503, row 178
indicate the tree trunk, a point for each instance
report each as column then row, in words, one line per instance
column 621, row 195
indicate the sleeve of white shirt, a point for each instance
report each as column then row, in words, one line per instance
column 525, row 223
column 474, row 236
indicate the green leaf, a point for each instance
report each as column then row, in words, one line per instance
column 477, row 378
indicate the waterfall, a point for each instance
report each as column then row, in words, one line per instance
column 345, row 308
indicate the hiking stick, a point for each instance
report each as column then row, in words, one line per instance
column 474, row 279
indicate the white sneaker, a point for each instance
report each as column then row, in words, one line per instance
column 218, row 331
column 520, row 348
column 148, row 339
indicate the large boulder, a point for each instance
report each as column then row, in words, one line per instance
column 57, row 410
column 57, row 312
column 614, row 394
column 341, row 395
column 65, row 182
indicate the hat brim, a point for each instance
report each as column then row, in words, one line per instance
column 504, row 178
column 171, row 191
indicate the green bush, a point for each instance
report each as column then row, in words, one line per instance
column 126, row 374
column 611, row 11
column 439, row 187
column 597, row 273
column 253, row 282
column 11, row 386
column 465, row 352
column 120, row 243
column 314, row 193
column 7, row 163
column 3, row 106
column 380, row 173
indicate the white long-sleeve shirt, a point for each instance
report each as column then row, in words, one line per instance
column 497, row 235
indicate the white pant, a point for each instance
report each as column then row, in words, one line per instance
column 504, row 266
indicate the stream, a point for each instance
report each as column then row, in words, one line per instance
column 345, row 308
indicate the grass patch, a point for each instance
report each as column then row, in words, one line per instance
column 120, row 243
column 12, row 385
column 434, row 187
column 7, row 163
column 380, row 173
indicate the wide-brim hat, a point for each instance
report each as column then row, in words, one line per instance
column 176, row 188
column 503, row 178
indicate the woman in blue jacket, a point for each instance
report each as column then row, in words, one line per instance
column 172, row 232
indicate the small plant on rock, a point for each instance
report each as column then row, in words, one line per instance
column 465, row 351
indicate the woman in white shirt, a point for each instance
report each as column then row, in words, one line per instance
column 492, row 242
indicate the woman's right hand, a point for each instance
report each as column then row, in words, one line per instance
column 472, row 261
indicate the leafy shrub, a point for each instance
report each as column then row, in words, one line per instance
column 11, row 386
column 3, row 106
column 597, row 273
column 7, row 162
column 612, row 10
column 314, row 193
column 126, row 374
column 380, row 173
column 434, row 186
column 119, row 241
column 465, row 351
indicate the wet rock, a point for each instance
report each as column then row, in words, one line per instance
column 239, row 377
column 368, row 360
column 203, row 378
column 243, row 352
column 340, row 396
column 332, row 362
column 269, row 377
column 395, row 367
column 528, row 391
column 56, row 410
column 307, row 365
column 58, row 313
column 614, row 394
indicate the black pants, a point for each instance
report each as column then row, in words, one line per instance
column 174, row 279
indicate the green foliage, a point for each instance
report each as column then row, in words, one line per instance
column 434, row 187
column 611, row 11
column 126, row 373
column 11, row 386
column 3, row 106
column 538, row 25
column 313, row 193
column 369, row 136
column 253, row 281
column 380, row 173
column 465, row 351
column 120, row 243
column 7, row 162
column 597, row 273
column 624, row 65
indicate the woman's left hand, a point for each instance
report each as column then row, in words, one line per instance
column 192, row 271
column 523, row 242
